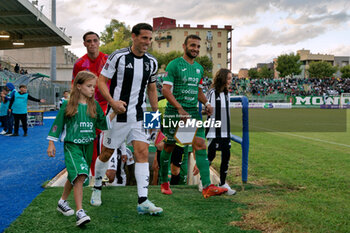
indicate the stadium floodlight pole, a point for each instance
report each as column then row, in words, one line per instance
column 244, row 141
column 53, row 49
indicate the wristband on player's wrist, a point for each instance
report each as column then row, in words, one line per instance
column 206, row 104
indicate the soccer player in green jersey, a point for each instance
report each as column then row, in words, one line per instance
column 182, row 88
column 77, row 121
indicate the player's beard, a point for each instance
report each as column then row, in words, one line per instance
column 188, row 53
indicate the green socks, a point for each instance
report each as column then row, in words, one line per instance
column 203, row 166
column 164, row 166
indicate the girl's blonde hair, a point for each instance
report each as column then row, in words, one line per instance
column 72, row 106
column 220, row 80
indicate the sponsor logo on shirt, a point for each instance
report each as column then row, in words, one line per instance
column 83, row 140
column 191, row 81
column 89, row 125
column 189, row 91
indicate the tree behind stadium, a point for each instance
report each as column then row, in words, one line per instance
column 265, row 72
column 116, row 35
column 345, row 71
column 288, row 65
column 321, row 69
column 253, row 73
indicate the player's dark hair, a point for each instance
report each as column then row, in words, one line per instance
column 191, row 37
column 90, row 33
column 20, row 86
column 220, row 80
column 141, row 26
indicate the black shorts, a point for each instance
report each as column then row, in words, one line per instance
column 176, row 156
column 219, row 144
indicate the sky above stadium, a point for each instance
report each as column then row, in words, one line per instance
column 262, row 29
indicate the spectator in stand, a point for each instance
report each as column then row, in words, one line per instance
column 16, row 69
column 291, row 86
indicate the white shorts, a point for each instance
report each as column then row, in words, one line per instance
column 129, row 131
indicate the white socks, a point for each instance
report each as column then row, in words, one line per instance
column 61, row 201
column 142, row 178
column 100, row 171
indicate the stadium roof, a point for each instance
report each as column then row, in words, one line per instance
column 22, row 25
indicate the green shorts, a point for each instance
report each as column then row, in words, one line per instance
column 172, row 116
column 78, row 160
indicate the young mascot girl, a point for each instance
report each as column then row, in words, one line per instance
column 220, row 138
column 76, row 122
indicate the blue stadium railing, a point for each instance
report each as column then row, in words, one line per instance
column 244, row 140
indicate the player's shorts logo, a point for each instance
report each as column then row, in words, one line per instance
column 83, row 167
column 151, row 120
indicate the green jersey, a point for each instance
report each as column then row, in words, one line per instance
column 185, row 79
column 79, row 129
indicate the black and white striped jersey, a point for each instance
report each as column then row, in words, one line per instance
column 221, row 112
column 130, row 76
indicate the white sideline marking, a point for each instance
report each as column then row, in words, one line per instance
column 318, row 140
column 49, row 117
column 300, row 136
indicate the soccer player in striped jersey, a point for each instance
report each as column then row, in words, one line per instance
column 76, row 122
column 219, row 139
column 132, row 73
column 182, row 87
